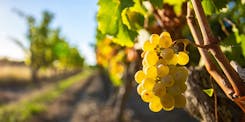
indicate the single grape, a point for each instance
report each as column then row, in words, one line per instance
column 167, row 102
column 148, row 83
column 139, row 76
column 183, row 58
column 165, row 40
column 165, row 34
column 150, row 72
column 168, row 81
column 154, row 39
column 162, row 70
column 180, row 101
column 147, row 95
column 173, row 60
column 140, row 89
column 151, row 58
column 159, row 89
column 167, row 53
column 148, row 46
column 155, row 106
column 179, row 74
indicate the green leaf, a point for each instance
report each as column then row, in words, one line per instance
column 219, row 4
column 209, row 7
column 126, row 3
column 177, row 4
column 243, row 44
column 236, row 32
column 125, row 36
column 132, row 19
column 108, row 16
column 209, row 92
column 174, row 2
column 158, row 4
column 139, row 8
column 178, row 9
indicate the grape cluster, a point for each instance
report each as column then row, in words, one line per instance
column 161, row 82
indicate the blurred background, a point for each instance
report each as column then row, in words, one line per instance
column 56, row 65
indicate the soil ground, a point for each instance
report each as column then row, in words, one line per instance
column 87, row 101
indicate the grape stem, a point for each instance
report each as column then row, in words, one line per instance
column 207, row 38
column 194, row 44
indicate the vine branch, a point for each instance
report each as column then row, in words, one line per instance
column 209, row 39
column 210, row 66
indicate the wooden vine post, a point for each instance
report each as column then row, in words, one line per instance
column 229, row 80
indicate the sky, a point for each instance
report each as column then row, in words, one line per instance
column 76, row 18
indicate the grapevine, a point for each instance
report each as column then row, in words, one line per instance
column 161, row 82
column 111, row 57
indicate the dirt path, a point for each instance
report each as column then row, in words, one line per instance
column 13, row 92
column 86, row 102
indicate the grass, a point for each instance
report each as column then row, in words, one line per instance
column 23, row 110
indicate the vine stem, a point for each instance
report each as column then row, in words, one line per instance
column 209, row 39
column 210, row 66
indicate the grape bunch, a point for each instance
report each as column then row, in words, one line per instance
column 161, row 82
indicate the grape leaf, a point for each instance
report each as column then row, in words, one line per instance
column 209, row 7
column 177, row 4
column 110, row 21
column 174, row 2
column 158, row 4
column 219, row 4
column 108, row 16
column 243, row 44
column 138, row 7
column 125, row 36
column 209, row 92
column 126, row 4
column 133, row 20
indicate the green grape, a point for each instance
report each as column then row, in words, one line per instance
column 183, row 87
column 159, row 89
column 161, row 82
column 165, row 34
column 162, row 70
column 173, row 60
column 167, row 102
column 139, row 76
column 175, row 89
column 165, row 40
column 180, row 101
column 155, row 106
column 167, row 53
column 183, row 58
column 179, row 74
column 162, row 61
column 151, row 58
column 148, row 83
column 148, row 46
column 150, row 72
column 168, row 81
column 147, row 95
column 154, row 39
column 140, row 89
